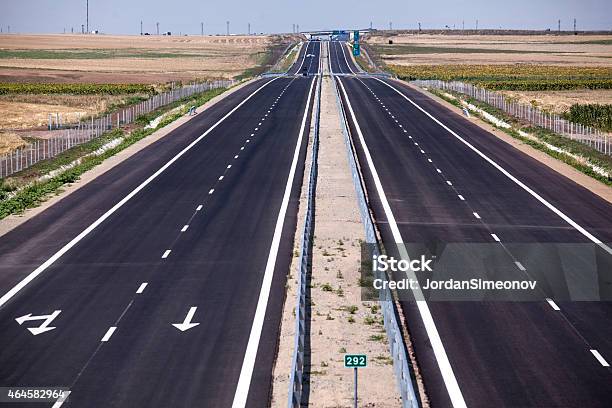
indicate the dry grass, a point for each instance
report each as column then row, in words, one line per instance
column 10, row 141
column 491, row 49
column 32, row 111
column 560, row 101
column 123, row 59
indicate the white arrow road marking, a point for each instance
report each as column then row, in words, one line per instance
column 186, row 325
column 43, row 327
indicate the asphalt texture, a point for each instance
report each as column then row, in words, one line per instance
column 503, row 354
column 238, row 174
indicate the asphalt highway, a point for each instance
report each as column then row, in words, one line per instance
column 168, row 271
column 432, row 175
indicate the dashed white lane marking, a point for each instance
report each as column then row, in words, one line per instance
column 248, row 140
column 236, row 156
column 422, row 151
column 24, row 282
column 553, row 304
column 429, row 160
column 199, row 207
column 184, row 227
column 252, row 134
column 221, row 178
column 256, row 128
column 259, row 124
column 166, row 253
column 212, row 190
column 250, row 355
column 460, row 197
column 600, row 358
column 229, row 166
column 520, row 266
column 242, row 148
column 449, row 183
column 109, row 333
column 476, row 215
column 142, row 287
column 495, row 237
column 439, row 171
column 448, row 376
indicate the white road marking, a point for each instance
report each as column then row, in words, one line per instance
column 248, row 140
column 109, row 333
column 448, row 376
column 242, row 148
column 495, row 237
column 229, row 166
column 429, row 160
column 449, row 183
column 506, row 173
column 60, row 401
column 246, row 372
column 600, row 358
column 166, row 253
column 199, row 207
column 186, row 324
column 184, row 227
column 8, row 295
column 476, row 215
column 553, row 304
column 422, row 151
column 236, row 156
column 439, row 171
column 460, row 197
column 221, row 178
column 212, row 190
column 142, row 287
column 520, row 266
column 256, row 129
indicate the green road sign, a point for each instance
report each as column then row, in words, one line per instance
column 356, row 49
column 356, row 35
column 355, row 360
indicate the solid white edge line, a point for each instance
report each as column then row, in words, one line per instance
column 246, row 372
column 600, row 358
column 8, row 295
column 109, row 333
column 448, row 376
column 507, row 174
column 520, row 266
column 60, row 401
column 142, row 287
column 553, row 304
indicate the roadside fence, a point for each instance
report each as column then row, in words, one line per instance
column 86, row 130
column 397, row 348
column 594, row 138
column 297, row 363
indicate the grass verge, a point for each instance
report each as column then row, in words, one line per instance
column 30, row 193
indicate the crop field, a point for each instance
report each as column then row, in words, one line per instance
column 64, row 58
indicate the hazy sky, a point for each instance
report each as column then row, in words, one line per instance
column 123, row 16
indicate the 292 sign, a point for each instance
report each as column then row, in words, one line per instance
column 355, row 360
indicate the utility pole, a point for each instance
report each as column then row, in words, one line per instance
column 140, row 27
column 227, row 26
column 249, row 30
column 390, row 25
column 202, row 29
column 419, row 27
column 82, row 28
column 157, row 25
column 463, row 25
column 297, row 26
column 370, row 25
column 476, row 25
column 87, row 18
column 71, row 30
column 575, row 32
column 559, row 26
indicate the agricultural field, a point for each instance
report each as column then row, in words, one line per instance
column 76, row 76
column 557, row 73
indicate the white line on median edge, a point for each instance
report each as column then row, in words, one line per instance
column 246, row 372
column 8, row 295
column 505, row 172
column 450, row 381
column 109, row 333
column 600, row 358
column 142, row 287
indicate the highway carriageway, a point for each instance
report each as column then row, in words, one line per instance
column 160, row 283
column 432, row 175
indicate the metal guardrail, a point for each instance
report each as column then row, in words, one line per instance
column 387, row 305
column 84, row 131
column 297, row 365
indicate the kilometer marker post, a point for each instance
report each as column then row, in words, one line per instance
column 355, row 361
